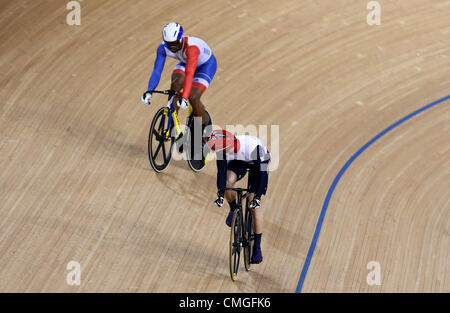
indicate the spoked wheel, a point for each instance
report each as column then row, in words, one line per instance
column 235, row 244
column 159, row 142
column 197, row 153
column 248, row 238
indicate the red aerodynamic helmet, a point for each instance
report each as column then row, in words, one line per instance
column 222, row 140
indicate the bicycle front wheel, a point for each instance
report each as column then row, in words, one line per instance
column 235, row 243
column 160, row 142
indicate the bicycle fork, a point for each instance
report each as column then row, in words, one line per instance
column 175, row 120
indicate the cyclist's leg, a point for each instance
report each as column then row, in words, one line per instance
column 258, row 222
column 258, row 181
column 177, row 83
column 231, row 180
column 230, row 196
column 197, row 105
column 236, row 171
column 258, row 216
column 202, row 79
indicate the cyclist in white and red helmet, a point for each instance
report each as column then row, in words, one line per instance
column 191, row 76
column 236, row 154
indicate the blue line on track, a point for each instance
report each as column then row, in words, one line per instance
column 338, row 177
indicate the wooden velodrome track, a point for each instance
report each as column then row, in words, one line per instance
column 76, row 184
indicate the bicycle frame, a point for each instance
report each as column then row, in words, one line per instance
column 241, row 194
column 173, row 132
column 171, row 112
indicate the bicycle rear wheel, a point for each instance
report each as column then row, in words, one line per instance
column 159, row 144
column 197, row 153
column 235, row 244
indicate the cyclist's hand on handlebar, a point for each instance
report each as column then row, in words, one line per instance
column 182, row 103
column 219, row 202
column 146, row 97
column 256, row 203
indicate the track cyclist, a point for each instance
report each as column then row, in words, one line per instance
column 191, row 76
column 236, row 154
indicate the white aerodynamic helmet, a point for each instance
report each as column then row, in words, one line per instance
column 172, row 32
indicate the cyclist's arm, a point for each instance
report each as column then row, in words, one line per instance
column 192, row 53
column 158, row 68
column 262, row 181
column 221, row 174
column 263, row 166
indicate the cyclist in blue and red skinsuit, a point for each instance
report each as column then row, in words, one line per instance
column 192, row 74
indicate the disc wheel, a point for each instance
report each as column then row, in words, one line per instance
column 159, row 144
column 235, row 244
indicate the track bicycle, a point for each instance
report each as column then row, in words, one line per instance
column 165, row 131
column 241, row 234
